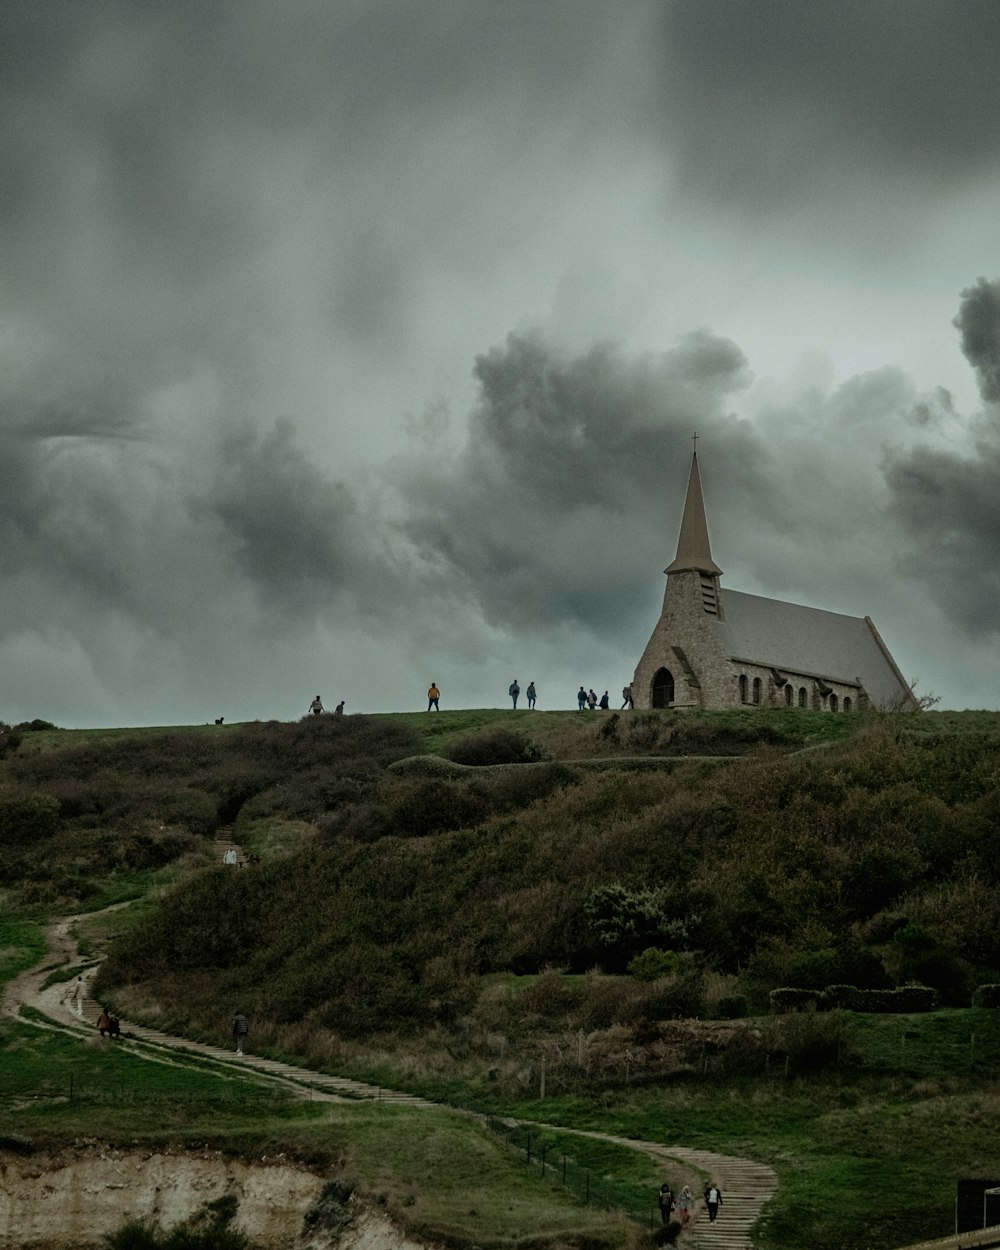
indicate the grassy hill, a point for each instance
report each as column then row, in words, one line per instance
column 452, row 902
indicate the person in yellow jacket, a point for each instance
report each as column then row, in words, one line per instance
column 433, row 694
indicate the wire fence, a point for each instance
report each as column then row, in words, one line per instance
column 546, row 1158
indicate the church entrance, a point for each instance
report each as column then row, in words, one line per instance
column 663, row 688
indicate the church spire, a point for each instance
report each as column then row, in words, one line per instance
column 693, row 550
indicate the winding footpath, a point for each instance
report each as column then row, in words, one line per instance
column 746, row 1185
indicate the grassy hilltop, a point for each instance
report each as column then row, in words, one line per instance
column 454, row 903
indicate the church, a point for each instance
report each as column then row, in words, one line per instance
column 717, row 648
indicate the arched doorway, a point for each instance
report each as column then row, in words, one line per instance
column 663, row 688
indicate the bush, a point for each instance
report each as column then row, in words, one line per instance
column 35, row 726
column 495, row 746
column 626, row 921
column 732, row 1007
column 28, row 818
column 987, row 996
column 788, row 999
column 653, row 963
column 905, row 999
column 10, row 740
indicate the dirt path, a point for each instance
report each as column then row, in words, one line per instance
column 746, row 1185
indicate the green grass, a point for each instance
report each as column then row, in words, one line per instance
column 22, row 944
column 440, row 1176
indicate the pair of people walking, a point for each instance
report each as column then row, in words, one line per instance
column 514, row 691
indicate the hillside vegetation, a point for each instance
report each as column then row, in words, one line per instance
column 449, row 902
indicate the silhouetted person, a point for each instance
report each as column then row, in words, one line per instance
column 627, row 698
column 592, row 701
column 316, row 706
column 514, row 690
column 604, row 702
column 530, row 695
column 581, row 698
column 339, row 709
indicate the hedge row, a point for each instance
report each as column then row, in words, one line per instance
column 908, row 998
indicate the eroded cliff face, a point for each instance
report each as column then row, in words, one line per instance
column 68, row 1200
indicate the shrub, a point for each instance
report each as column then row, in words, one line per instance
column 10, row 740
column 35, row 726
column 844, row 997
column 428, row 806
column 495, row 746
column 625, row 921
column 653, row 963
column 28, row 817
column 732, row 1007
column 987, row 996
column 812, row 1041
column 788, row 999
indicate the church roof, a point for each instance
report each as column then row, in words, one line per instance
column 797, row 640
column 693, row 549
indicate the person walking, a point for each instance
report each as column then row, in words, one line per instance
column 581, row 698
column 713, row 1200
column 665, row 1199
column 433, row 694
column 339, row 709
column 685, row 1205
column 316, row 707
column 514, row 690
column 240, row 1030
column 604, row 702
column 627, row 698
column 530, row 695
column 592, row 701
column 75, row 995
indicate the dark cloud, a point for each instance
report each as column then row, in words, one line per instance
column 298, row 537
column 769, row 103
column 950, row 506
column 551, row 514
column 979, row 320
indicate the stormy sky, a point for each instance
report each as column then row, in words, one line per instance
column 346, row 347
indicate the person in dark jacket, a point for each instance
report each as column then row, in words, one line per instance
column 530, row 693
column 581, row 698
column 713, row 1200
column 240, row 1030
column 665, row 1198
column 514, row 690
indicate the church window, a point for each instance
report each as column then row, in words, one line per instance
column 833, row 702
column 756, row 690
column 662, row 693
column 743, row 688
column 709, row 594
column 788, row 694
column 847, row 702
column 803, row 697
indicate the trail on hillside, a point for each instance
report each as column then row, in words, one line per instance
column 746, row 1185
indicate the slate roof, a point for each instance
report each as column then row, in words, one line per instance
column 798, row 640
